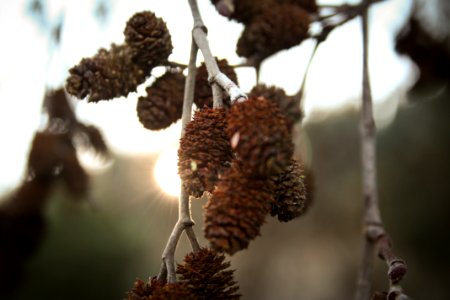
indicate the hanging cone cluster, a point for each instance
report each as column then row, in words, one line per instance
column 118, row 71
column 109, row 74
column 203, row 93
column 290, row 193
column 236, row 210
column 288, row 105
column 204, row 152
column 155, row 290
column 260, row 137
column 278, row 28
column 149, row 39
column 205, row 272
column 163, row 103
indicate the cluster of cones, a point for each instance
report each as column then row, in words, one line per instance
column 52, row 159
column 270, row 25
column 243, row 156
column 121, row 69
column 203, row 275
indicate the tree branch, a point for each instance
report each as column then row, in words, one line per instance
column 185, row 222
column 215, row 75
column 375, row 235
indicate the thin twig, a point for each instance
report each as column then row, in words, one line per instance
column 185, row 222
column 375, row 235
column 214, row 73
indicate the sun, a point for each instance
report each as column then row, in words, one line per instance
column 166, row 172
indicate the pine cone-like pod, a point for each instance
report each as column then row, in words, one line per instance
column 205, row 272
column 149, row 39
column 243, row 11
column 156, row 290
column 288, row 105
column 309, row 182
column 309, row 5
column 290, row 194
column 203, row 92
column 236, row 210
column 278, row 28
column 204, row 152
column 260, row 137
column 107, row 75
column 163, row 103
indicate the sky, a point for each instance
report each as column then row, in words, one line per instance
column 29, row 61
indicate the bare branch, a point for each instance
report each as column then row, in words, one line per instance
column 375, row 235
column 215, row 75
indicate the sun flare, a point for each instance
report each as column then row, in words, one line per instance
column 166, row 172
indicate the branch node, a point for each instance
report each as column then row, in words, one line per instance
column 397, row 269
column 201, row 27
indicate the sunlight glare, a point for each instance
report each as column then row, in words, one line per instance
column 166, row 172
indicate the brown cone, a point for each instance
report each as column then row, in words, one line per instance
column 309, row 5
column 203, row 92
column 290, row 193
column 155, row 290
column 278, row 28
column 236, row 210
column 260, row 137
column 206, row 275
column 204, row 152
column 149, row 39
column 288, row 105
column 163, row 103
column 107, row 75
column 243, row 11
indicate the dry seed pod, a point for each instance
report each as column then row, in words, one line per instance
column 204, row 152
column 288, row 105
column 243, row 11
column 163, row 103
column 206, row 275
column 260, row 136
column 203, row 93
column 290, row 193
column 149, row 39
column 107, row 75
column 156, row 290
column 236, row 210
column 278, row 28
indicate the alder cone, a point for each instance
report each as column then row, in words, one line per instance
column 236, row 210
column 204, row 152
column 288, row 105
column 107, row 75
column 203, row 93
column 278, row 28
column 290, row 193
column 163, row 104
column 156, row 290
column 206, row 275
column 260, row 137
column 309, row 5
column 243, row 11
column 149, row 39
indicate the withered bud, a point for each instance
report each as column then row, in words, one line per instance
column 107, row 75
column 57, row 106
column 203, row 92
column 204, row 152
column 290, row 193
column 149, row 39
column 207, row 276
column 236, row 210
column 260, row 136
column 279, row 27
column 163, row 103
